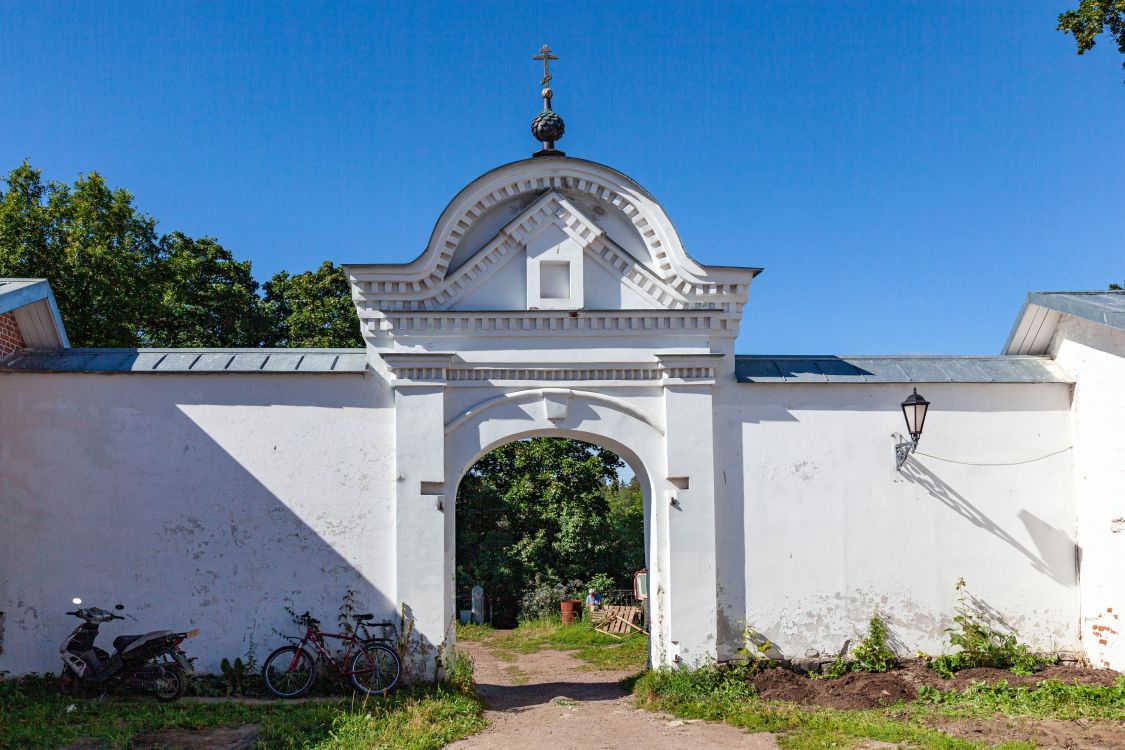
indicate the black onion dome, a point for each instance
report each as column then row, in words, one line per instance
column 548, row 126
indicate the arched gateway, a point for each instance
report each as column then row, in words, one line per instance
column 555, row 299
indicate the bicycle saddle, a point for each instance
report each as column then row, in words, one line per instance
column 366, row 616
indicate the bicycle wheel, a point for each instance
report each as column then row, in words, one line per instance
column 375, row 669
column 289, row 672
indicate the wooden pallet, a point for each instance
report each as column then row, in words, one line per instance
column 619, row 621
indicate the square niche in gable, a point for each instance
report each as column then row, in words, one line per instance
column 554, row 270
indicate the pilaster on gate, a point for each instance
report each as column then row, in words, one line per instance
column 424, row 552
column 691, row 604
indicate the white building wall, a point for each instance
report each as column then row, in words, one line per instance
column 1095, row 356
column 210, row 501
column 819, row 531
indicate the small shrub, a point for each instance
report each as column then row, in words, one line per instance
column 457, row 667
column 709, row 684
column 982, row 645
column 871, row 654
column 756, row 647
column 347, row 609
column 602, row 583
column 234, row 674
column 541, row 601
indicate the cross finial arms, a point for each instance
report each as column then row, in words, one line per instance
column 546, row 56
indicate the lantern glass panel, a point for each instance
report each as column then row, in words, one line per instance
column 914, row 410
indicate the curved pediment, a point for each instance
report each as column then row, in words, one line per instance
column 549, row 234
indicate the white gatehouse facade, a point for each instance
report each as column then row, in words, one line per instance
column 216, row 488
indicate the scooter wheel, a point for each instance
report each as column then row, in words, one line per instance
column 170, row 686
column 71, row 685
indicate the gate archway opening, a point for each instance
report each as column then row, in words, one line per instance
column 539, row 516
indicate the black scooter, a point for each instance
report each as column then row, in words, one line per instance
column 152, row 662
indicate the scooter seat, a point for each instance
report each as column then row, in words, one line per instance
column 121, row 641
column 126, row 643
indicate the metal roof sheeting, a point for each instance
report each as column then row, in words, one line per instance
column 1036, row 323
column 37, row 314
column 164, row 361
column 896, row 369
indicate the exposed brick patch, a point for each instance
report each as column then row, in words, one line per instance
column 10, row 337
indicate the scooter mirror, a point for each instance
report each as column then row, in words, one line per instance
column 76, row 600
column 119, row 606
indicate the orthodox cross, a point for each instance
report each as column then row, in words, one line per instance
column 546, row 56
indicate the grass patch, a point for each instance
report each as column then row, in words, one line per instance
column 631, row 653
column 473, row 632
column 516, row 676
column 1050, row 699
column 34, row 715
column 598, row 650
column 722, row 694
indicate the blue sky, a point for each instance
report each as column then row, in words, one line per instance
column 905, row 172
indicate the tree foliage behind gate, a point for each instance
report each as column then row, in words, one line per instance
column 547, row 511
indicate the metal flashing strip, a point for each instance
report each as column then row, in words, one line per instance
column 896, row 369
column 187, row 361
column 1041, row 311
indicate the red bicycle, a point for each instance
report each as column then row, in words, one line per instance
column 371, row 664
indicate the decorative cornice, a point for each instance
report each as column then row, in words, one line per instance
column 552, row 209
column 538, row 322
column 535, row 176
column 668, row 369
column 410, row 369
column 689, row 369
column 609, row 372
column 688, row 298
column 546, row 394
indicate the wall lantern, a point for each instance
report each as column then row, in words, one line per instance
column 914, row 410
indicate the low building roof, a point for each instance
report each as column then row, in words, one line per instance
column 896, row 369
column 1041, row 312
column 178, row 361
column 33, row 305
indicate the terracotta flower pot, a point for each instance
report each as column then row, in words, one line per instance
column 567, row 606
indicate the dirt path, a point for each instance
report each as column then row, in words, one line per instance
column 542, row 701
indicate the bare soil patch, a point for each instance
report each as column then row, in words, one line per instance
column 857, row 690
column 860, row 690
column 1047, row 734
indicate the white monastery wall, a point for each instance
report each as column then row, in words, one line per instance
column 817, row 530
column 210, row 501
column 1094, row 355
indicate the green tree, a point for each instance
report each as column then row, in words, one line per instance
column 120, row 284
column 206, row 297
column 541, row 509
column 98, row 251
column 1090, row 19
column 1116, row 287
column 313, row 308
column 627, row 518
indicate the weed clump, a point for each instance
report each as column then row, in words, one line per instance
column 871, row 654
column 982, row 645
column 457, row 671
